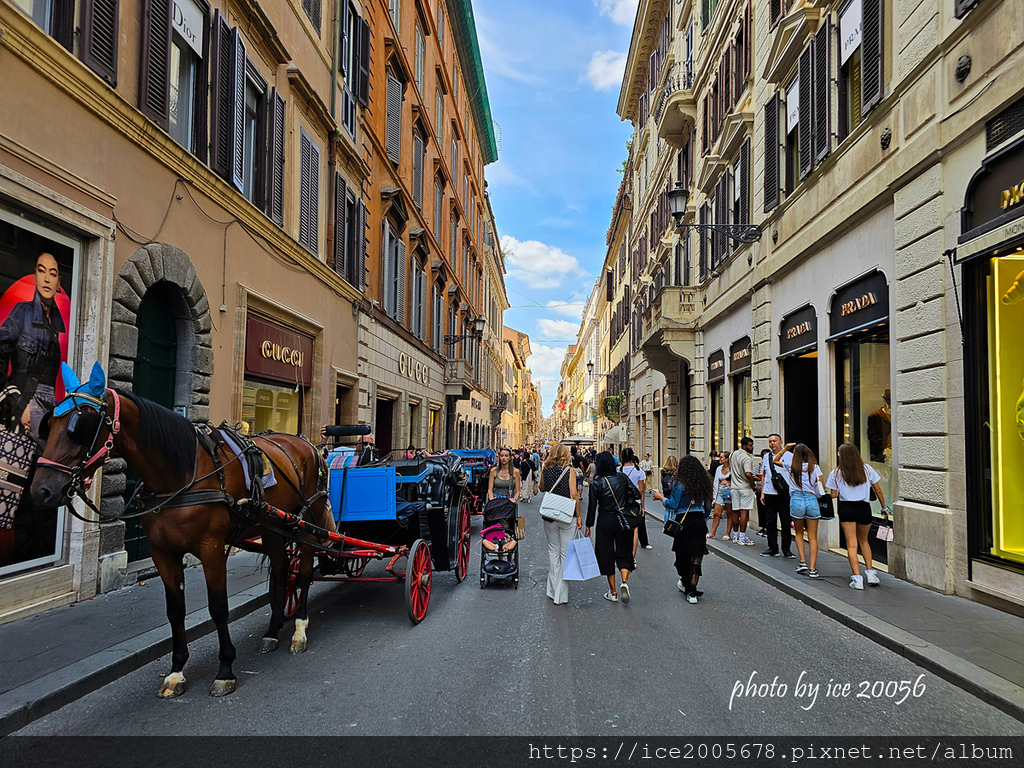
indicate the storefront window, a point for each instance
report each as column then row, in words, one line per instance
column 37, row 275
column 742, row 408
column 718, row 417
column 278, row 373
column 1005, row 291
column 270, row 407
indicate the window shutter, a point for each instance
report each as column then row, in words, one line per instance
column 703, row 235
column 309, row 198
column 343, row 41
column 771, row 153
column 961, row 7
column 360, row 253
column 748, row 41
column 387, row 288
column 364, row 62
column 822, row 89
column 394, row 127
column 275, row 175
column 62, row 27
column 403, row 267
column 340, row 197
column 155, row 65
column 705, row 14
column 806, row 124
column 100, row 35
column 744, row 174
column 312, row 9
column 417, row 170
column 238, row 141
column 222, row 97
column 421, row 276
column 871, row 55
column 727, row 83
column 739, row 68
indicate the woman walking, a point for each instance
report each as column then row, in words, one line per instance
column 851, row 483
column 803, row 474
column 690, row 496
column 503, row 480
column 721, row 492
column 559, row 478
column 613, row 545
column 668, row 474
column 529, row 474
column 631, row 468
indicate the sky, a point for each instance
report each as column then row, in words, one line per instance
column 553, row 70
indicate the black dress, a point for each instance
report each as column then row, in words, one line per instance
column 690, row 546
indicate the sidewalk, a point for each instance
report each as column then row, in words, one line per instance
column 973, row 646
column 55, row 657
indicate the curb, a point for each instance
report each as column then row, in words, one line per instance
column 987, row 686
column 40, row 697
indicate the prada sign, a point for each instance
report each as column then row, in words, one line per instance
column 716, row 366
column 277, row 353
column 860, row 305
column 739, row 356
column 798, row 332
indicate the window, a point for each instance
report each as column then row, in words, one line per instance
column 419, row 302
column 455, row 160
column 440, row 25
column 438, row 207
column 439, row 116
column 438, row 310
column 395, row 258
column 860, row 62
column 394, row 119
column 395, row 9
column 309, row 195
column 312, row 9
column 772, row 183
column 420, row 53
column 253, row 137
column 453, row 244
column 792, row 136
column 417, row 169
column 717, row 417
column 742, row 407
column 184, row 76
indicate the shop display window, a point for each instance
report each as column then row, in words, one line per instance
column 268, row 406
column 742, row 408
column 718, row 434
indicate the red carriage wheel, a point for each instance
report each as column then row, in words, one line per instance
column 291, row 587
column 462, row 545
column 417, row 581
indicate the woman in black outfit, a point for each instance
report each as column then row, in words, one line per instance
column 691, row 490
column 613, row 546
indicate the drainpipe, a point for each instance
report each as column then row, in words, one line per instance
column 332, row 154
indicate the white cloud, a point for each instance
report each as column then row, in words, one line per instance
column 568, row 308
column 545, row 363
column 538, row 265
column 605, row 69
column 557, row 330
column 622, row 12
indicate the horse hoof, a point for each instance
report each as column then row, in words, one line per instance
column 174, row 685
column 269, row 644
column 222, row 687
column 298, row 646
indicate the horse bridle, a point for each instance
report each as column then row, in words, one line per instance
column 78, row 483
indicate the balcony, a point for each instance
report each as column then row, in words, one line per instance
column 669, row 327
column 675, row 109
column 458, row 378
column 499, row 402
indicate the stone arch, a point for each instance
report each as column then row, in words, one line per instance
column 170, row 268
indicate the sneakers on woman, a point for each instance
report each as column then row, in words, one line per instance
column 624, row 592
column 691, row 599
column 857, row 582
column 802, row 568
column 611, row 596
column 681, row 586
column 872, row 574
column 813, row 573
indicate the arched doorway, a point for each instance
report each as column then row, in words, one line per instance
column 154, row 378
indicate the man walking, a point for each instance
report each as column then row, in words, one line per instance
column 741, row 467
column 776, row 503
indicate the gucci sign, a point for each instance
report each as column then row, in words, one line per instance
column 412, row 369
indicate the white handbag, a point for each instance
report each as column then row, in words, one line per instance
column 558, row 508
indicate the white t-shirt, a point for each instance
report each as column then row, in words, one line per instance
column 860, row 492
column 635, row 474
column 808, row 483
column 766, row 467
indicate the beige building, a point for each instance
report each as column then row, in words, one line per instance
column 878, row 149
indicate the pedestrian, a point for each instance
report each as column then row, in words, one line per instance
column 721, row 492
column 529, row 474
column 613, row 544
column 742, row 466
column 503, row 480
column 690, row 495
column 803, row 474
column 668, row 474
column 762, row 513
column 632, row 469
column 555, row 479
column 714, row 461
column 775, row 497
column 851, row 482
column 647, row 467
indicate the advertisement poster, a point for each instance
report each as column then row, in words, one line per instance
column 36, row 269
column 1006, row 391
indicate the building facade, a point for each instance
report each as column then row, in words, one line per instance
column 868, row 141
column 224, row 245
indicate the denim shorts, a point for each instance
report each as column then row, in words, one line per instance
column 803, row 504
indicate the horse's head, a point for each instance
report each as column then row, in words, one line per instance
column 79, row 435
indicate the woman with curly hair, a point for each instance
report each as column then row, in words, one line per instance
column 691, row 496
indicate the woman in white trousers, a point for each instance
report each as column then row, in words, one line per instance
column 553, row 479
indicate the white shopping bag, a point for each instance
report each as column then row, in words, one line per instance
column 580, row 561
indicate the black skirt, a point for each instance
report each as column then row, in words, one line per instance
column 692, row 539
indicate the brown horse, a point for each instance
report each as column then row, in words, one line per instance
column 162, row 447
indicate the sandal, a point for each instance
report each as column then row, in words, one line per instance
column 611, row 596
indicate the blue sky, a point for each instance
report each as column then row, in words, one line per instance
column 553, row 70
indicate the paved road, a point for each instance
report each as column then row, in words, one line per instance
column 504, row 662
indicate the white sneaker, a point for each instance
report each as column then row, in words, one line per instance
column 624, row 592
column 648, row 547
column 679, row 585
column 748, row 542
column 857, row 582
column 872, row 575
column 691, row 598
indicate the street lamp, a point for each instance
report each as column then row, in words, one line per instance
column 679, row 195
column 475, row 332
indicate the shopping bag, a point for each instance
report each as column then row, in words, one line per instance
column 580, row 561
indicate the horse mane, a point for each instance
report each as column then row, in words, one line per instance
column 164, row 431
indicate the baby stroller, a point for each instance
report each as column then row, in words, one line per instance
column 499, row 549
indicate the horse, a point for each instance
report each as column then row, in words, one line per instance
column 192, row 493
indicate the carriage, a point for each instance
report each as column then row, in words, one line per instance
column 477, row 464
column 406, row 508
